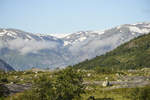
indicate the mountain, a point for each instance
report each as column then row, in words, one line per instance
column 131, row 55
column 25, row 50
column 5, row 67
column 88, row 44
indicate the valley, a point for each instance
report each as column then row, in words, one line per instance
column 74, row 50
column 89, row 80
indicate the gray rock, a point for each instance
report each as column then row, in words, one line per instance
column 106, row 83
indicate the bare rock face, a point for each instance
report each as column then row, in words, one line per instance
column 106, row 83
column 15, row 88
column 10, row 89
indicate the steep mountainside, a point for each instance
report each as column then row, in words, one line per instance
column 133, row 54
column 4, row 66
column 88, row 44
column 25, row 50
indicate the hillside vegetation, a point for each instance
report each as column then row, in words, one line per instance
column 71, row 84
column 131, row 55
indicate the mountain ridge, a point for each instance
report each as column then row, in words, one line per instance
column 131, row 55
column 25, row 50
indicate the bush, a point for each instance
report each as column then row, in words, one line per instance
column 67, row 85
column 105, row 70
column 4, row 91
column 44, row 88
column 3, row 77
column 5, row 80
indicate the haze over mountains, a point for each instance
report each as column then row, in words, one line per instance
column 25, row 50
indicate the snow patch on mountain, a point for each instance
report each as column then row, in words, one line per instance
column 8, row 33
column 137, row 30
column 147, row 26
column 59, row 35
column 97, row 32
column 66, row 43
column 3, row 32
column 82, row 38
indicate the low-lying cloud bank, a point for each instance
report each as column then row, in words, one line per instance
column 90, row 47
column 29, row 46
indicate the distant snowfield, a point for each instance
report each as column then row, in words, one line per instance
column 60, row 35
column 136, row 29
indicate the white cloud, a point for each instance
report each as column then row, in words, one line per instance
column 96, row 46
column 30, row 46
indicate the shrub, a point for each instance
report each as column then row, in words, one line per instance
column 4, row 91
column 67, row 85
column 44, row 88
column 3, row 77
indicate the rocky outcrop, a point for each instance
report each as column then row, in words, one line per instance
column 16, row 88
column 10, row 89
column 106, row 83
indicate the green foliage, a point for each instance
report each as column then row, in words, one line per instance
column 44, row 88
column 3, row 77
column 28, row 95
column 105, row 70
column 131, row 55
column 140, row 94
column 4, row 91
column 69, row 84
column 66, row 85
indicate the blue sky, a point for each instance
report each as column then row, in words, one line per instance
column 65, row 16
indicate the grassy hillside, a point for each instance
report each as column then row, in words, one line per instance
column 131, row 55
